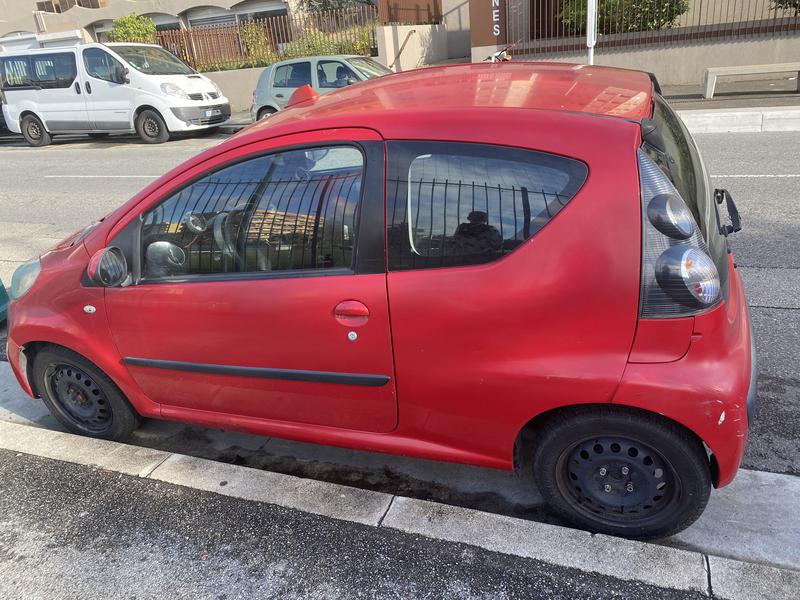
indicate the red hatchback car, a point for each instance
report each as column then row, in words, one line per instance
column 507, row 265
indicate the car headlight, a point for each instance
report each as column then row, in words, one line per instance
column 24, row 278
column 216, row 87
column 174, row 90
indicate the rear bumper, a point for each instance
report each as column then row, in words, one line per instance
column 711, row 390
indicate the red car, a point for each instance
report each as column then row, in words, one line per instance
column 519, row 266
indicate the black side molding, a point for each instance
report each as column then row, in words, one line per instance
column 361, row 379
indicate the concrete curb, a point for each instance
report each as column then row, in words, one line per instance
column 742, row 120
column 624, row 559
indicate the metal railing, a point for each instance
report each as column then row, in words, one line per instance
column 550, row 26
column 261, row 42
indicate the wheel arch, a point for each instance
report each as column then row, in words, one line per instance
column 261, row 109
column 526, row 438
column 26, row 112
column 145, row 107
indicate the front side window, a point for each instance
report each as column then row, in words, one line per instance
column 334, row 74
column 294, row 75
column 16, row 72
column 294, row 210
column 101, row 65
column 370, row 68
column 54, row 71
column 464, row 204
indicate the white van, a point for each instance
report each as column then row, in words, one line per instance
column 106, row 88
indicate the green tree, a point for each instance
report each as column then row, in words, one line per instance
column 133, row 28
column 625, row 16
column 788, row 5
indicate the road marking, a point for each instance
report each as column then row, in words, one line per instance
column 790, row 175
column 102, row 176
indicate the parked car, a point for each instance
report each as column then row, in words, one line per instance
column 323, row 73
column 101, row 89
column 3, row 302
column 519, row 266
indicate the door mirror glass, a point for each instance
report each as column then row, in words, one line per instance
column 108, row 268
column 121, row 75
column 165, row 254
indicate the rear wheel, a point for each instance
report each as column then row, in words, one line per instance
column 81, row 397
column 34, row 132
column 622, row 472
column 151, row 127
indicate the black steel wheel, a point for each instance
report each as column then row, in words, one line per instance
column 622, row 472
column 80, row 396
column 151, row 127
column 34, row 132
column 265, row 112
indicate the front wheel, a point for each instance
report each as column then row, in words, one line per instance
column 81, row 397
column 622, row 472
column 151, row 127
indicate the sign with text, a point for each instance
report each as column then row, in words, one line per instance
column 487, row 21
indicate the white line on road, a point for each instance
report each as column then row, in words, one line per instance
column 101, row 176
column 789, row 175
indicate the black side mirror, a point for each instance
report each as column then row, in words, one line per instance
column 108, row 268
column 121, row 75
column 351, row 81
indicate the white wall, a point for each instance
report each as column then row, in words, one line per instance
column 426, row 45
column 238, row 86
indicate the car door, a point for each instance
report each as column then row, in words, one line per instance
column 263, row 290
column 108, row 102
column 61, row 101
column 288, row 78
column 333, row 74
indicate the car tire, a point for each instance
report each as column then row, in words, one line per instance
column 34, row 132
column 151, row 128
column 621, row 472
column 81, row 397
column 266, row 112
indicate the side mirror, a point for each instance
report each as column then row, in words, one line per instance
column 165, row 254
column 108, row 268
column 351, row 81
column 121, row 75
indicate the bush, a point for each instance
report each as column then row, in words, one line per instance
column 257, row 43
column 788, row 5
column 354, row 40
column 625, row 16
column 133, row 28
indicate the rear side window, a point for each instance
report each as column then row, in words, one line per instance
column 54, row 71
column 465, row 204
column 16, row 72
column 294, row 210
column 293, row 75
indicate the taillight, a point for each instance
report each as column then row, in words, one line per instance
column 678, row 276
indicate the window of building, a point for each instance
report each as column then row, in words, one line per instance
column 465, row 204
column 294, row 210
column 293, row 75
column 54, row 71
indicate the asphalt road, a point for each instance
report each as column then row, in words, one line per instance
column 73, row 532
column 48, row 193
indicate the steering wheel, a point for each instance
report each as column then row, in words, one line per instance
column 222, row 237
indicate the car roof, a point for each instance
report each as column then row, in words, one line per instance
column 313, row 58
column 603, row 91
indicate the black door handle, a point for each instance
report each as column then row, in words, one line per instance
column 78, row 88
column 279, row 95
column 88, row 87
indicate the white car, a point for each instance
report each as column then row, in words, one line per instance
column 106, row 88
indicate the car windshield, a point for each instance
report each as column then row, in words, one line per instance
column 152, row 60
column 369, row 68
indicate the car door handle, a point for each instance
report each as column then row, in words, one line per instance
column 351, row 313
column 279, row 95
column 78, row 88
column 88, row 87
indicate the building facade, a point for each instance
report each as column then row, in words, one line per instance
column 23, row 18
